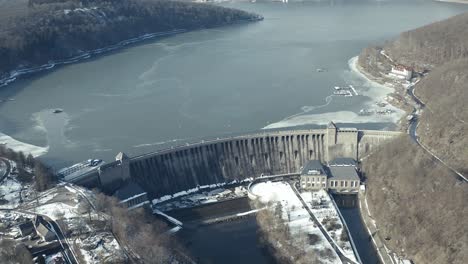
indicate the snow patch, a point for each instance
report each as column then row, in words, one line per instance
column 22, row 146
column 294, row 214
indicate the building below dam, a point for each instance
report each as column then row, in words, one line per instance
column 223, row 160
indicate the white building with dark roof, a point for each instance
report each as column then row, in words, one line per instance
column 343, row 176
column 313, row 176
column 401, row 72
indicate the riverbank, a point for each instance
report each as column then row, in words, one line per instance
column 395, row 93
column 22, row 146
column 375, row 109
column 15, row 74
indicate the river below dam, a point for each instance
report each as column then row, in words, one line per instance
column 237, row 241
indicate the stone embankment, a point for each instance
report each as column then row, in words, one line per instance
column 374, row 235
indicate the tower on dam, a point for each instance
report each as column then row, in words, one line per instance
column 236, row 158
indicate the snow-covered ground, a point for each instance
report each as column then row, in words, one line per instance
column 22, row 146
column 10, row 193
column 201, row 197
column 101, row 248
column 295, row 215
column 9, row 221
column 322, row 207
column 57, row 210
column 55, row 258
column 374, row 91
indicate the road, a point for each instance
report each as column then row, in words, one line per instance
column 54, row 227
column 68, row 255
column 133, row 257
column 343, row 258
column 66, row 249
column 412, row 131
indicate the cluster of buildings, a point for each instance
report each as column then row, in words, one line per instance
column 37, row 226
column 340, row 176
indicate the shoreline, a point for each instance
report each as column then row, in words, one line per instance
column 14, row 74
column 355, row 67
column 377, row 92
column 26, row 148
column 453, row 1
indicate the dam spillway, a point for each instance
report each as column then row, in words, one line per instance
column 236, row 158
column 225, row 161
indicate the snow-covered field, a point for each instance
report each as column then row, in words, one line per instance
column 10, row 193
column 295, row 215
column 57, row 210
column 322, row 207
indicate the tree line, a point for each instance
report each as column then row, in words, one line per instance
column 275, row 236
column 138, row 229
column 60, row 29
column 409, row 194
column 41, row 174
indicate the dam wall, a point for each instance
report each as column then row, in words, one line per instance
column 236, row 158
column 227, row 160
column 369, row 140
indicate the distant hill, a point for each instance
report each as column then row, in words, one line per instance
column 35, row 32
column 418, row 204
column 432, row 45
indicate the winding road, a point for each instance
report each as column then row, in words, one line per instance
column 413, row 127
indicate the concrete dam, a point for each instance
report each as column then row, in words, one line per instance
column 236, row 158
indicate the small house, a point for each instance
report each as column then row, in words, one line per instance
column 42, row 229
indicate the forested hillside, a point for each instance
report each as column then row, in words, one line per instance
column 419, row 205
column 441, row 47
column 35, row 32
column 432, row 45
column 444, row 122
